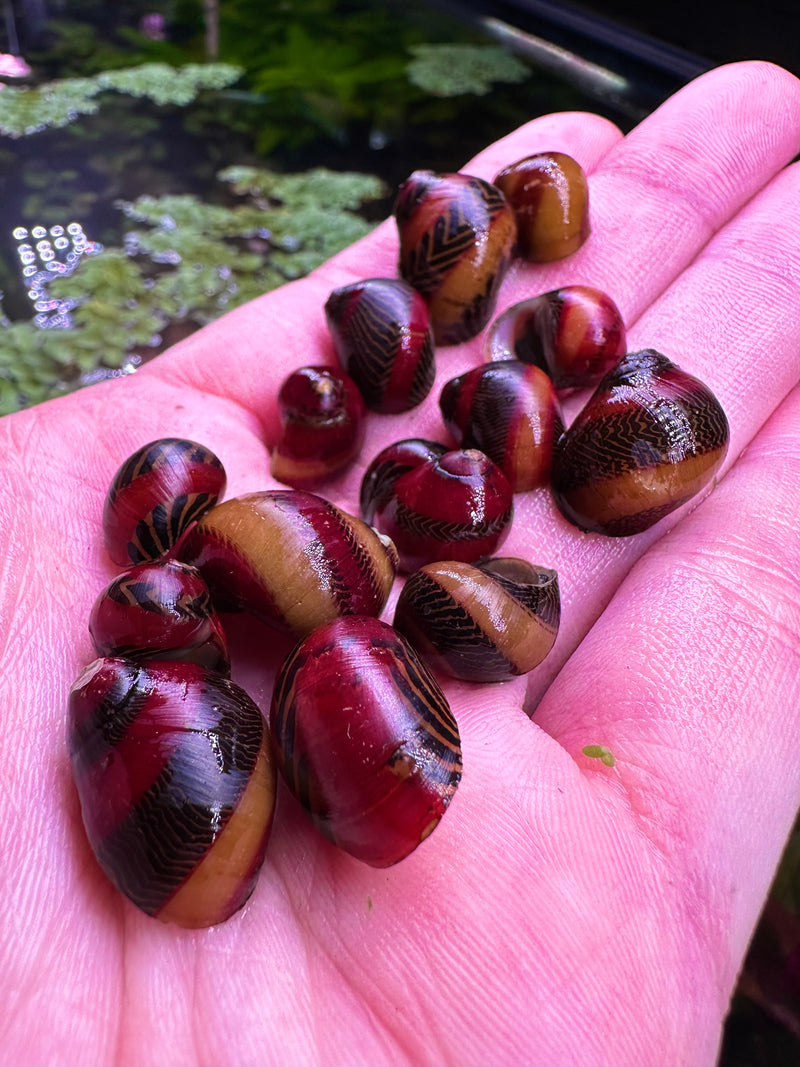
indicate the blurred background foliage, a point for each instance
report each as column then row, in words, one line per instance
column 135, row 117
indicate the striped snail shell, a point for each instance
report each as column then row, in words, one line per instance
column 162, row 610
column 176, row 785
column 575, row 333
column 365, row 739
column 508, row 410
column 455, row 506
column 383, row 338
column 155, row 495
column 456, row 237
column 648, row 440
column 292, row 559
column 549, row 195
column 390, row 464
column 322, row 426
column 486, row 622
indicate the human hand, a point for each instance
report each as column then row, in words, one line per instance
column 563, row 911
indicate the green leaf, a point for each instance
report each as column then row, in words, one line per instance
column 456, row 69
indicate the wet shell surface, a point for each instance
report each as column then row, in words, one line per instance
column 649, row 439
column 365, row 739
column 176, row 785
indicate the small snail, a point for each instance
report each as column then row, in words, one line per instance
column 456, row 237
column 575, row 333
column 550, row 199
column 322, row 426
column 486, row 622
column 508, row 410
column 365, row 739
column 391, row 462
column 292, row 559
column 161, row 609
column 176, row 785
column 155, row 495
column 648, row 440
column 455, row 506
column 382, row 335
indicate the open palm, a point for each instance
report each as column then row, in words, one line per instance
column 564, row 911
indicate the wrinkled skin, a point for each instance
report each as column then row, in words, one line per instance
column 564, row 911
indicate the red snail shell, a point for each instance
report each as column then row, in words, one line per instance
column 291, row 559
column 155, row 495
column 455, row 506
column 456, row 236
column 549, row 195
column 322, row 426
column 509, row 411
column 575, row 333
column 365, row 739
column 161, row 609
column 176, row 785
column 483, row 622
column 390, row 464
column 647, row 441
column 382, row 334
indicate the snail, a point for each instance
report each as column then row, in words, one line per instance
column 390, row 463
column 322, row 426
column 161, row 609
column 457, row 505
column 482, row 622
column 155, row 495
column 456, row 237
column 508, row 410
column 376, row 770
column 549, row 195
column 292, row 559
column 575, row 333
column 650, row 437
column 382, row 335
column 176, row 785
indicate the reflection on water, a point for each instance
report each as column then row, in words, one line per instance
column 56, row 253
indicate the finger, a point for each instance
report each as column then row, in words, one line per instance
column 691, row 678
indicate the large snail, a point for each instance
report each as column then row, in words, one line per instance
column 176, row 785
column 365, row 739
column 648, row 440
column 292, row 559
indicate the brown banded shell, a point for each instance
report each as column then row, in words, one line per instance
column 648, row 440
column 549, row 195
column 176, row 785
column 456, row 236
column 155, row 496
column 365, row 739
column 382, row 334
column 510, row 411
column 292, row 559
column 486, row 622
